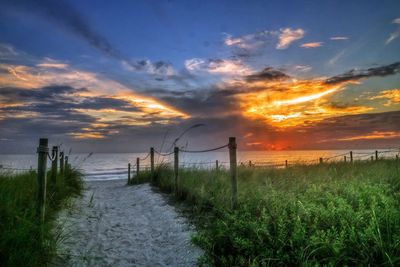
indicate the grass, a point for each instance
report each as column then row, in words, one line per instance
column 328, row 214
column 23, row 240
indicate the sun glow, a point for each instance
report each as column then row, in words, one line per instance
column 293, row 102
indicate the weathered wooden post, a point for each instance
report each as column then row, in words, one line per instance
column 42, row 151
column 217, row 165
column 233, row 168
column 286, row 165
column 351, row 156
column 137, row 168
column 176, row 168
column 376, row 154
column 249, row 163
column 66, row 166
column 152, row 162
column 61, row 163
column 53, row 179
column 321, row 160
column 345, row 158
column 129, row 173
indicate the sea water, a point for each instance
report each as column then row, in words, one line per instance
column 109, row 166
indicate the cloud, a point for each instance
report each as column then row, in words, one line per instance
column 372, row 135
column 288, row 36
column 339, row 38
column 93, row 105
column 93, row 116
column 218, row 66
column 194, row 64
column 300, row 68
column 248, row 45
column 241, row 42
column 312, row 45
column 361, row 130
column 267, row 74
column 392, row 96
column 337, row 57
column 252, row 44
column 394, row 35
column 51, row 63
column 357, row 74
column 158, row 68
column 7, row 50
column 274, row 98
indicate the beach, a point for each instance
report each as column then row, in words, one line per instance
column 116, row 225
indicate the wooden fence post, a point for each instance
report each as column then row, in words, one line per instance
column 152, row 162
column 216, row 165
column 129, row 173
column 249, row 163
column 66, row 167
column 321, row 160
column 176, row 169
column 137, row 168
column 351, row 156
column 286, row 165
column 62, row 163
column 376, row 154
column 53, row 179
column 233, row 168
column 42, row 151
column 345, row 158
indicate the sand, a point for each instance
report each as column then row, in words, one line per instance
column 118, row 225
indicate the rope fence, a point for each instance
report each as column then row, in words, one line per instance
column 43, row 155
column 233, row 163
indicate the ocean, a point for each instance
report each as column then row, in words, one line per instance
column 111, row 166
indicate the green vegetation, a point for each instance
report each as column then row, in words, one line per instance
column 23, row 240
column 328, row 214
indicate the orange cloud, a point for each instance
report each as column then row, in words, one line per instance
column 288, row 36
column 373, row 135
column 49, row 72
column 291, row 102
column 392, row 96
column 312, row 45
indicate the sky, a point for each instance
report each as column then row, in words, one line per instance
column 106, row 76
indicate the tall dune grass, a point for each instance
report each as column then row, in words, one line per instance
column 23, row 240
column 328, row 214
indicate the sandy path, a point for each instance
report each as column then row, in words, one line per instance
column 116, row 225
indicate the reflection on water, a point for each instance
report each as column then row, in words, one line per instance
column 107, row 166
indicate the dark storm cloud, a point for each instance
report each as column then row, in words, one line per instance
column 328, row 132
column 208, row 102
column 44, row 93
column 358, row 124
column 57, row 99
column 357, row 74
column 267, row 74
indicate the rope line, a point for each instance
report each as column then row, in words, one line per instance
column 198, row 163
column 203, row 151
column 51, row 158
column 164, row 154
column 336, row 156
column 145, row 157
